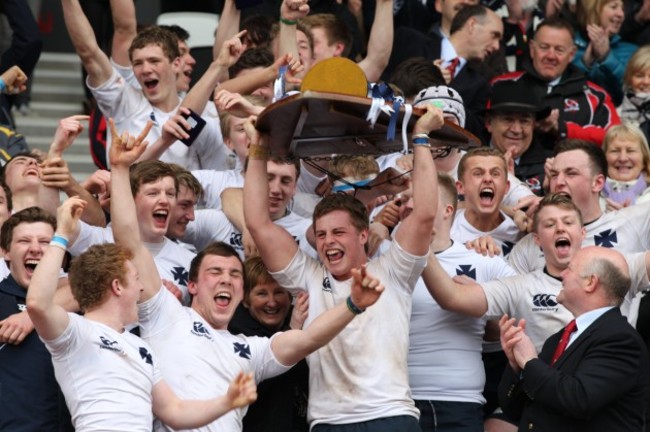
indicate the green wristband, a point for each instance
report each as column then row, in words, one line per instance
column 288, row 22
column 352, row 307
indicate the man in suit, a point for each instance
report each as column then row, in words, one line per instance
column 475, row 33
column 589, row 377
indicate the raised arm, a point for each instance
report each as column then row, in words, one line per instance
column 290, row 11
column 228, row 26
column 50, row 319
column 380, row 42
column 293, row 345
column 468, row 299
column 124, row 30
column 189, row 414
column 94, row 60
column 414, row 235
column 125, row 149
column 275, row 244
column 55, row 174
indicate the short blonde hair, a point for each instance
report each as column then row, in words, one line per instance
column 630, row 132
column 639, row 61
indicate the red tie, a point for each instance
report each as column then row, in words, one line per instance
column 452, row 66
column 564, row 341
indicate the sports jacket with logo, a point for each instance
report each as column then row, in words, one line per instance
column 586, row 110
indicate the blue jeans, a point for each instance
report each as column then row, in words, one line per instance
column 440, row 416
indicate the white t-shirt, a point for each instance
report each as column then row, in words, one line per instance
column 532, row 296
column 199, row 362
column 505, row 235
column 517, row 190
column 131, row 110
column 626, row 230
column 107, row 377
column 172, row 260
column 214, row 182
column 444, row 358
column 362, row 373
column 212, row 225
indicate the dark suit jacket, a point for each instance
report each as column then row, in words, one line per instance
column 600, row 383
column 472, row 86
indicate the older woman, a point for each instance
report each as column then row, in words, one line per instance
column 601, row 52
column 635, row 108
column 628, row 166
column 266, row 309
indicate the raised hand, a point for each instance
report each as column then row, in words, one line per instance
column 366, row 289
column 67, row 131
column 55, row 173
column 293, row 10
column 235, row 104
column 431, row 120
column 300, row 311
column 15, row 80
column 231, row 50
column 126, row 148
column 242, row 390
column 68, row 215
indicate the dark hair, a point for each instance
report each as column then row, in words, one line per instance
column 279, row 160
column 187, row 179
column 251, row 58
column 597, row 159
column 9, row 195
column 149, row 171
column 344, row 202
column 415, row 74
column 159, row 36
column 335, row 29
column 217, row 248
column 178, row 31
column 258, row 30
column 557, row 23
column 28, row 215
column 464, row 15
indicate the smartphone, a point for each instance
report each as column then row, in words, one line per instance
column 196, row 126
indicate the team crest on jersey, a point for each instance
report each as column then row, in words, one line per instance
column 607, row 238
column 534, row 184
column 199, row 329
column 236, row 241
column 110, row 345
column 327, row 287
column 22, row 307
column 146, row 356
column 571, row 105
column 181, row 276
column 545, row 302
column 466, row 270
column 243, row 350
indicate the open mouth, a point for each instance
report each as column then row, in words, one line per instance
column 151, row 84
column 486, row 196
column 160, row 216
column 334, row 255
column 222, row 299
column 563, row 246
column 30, row 265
